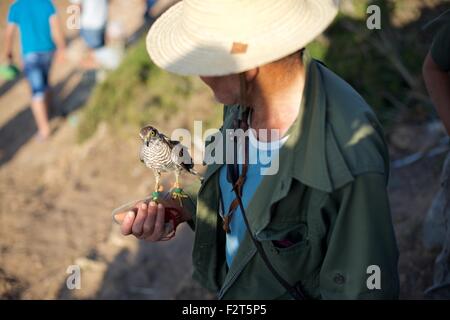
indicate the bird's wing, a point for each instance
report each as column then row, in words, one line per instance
column 183, row 153
column 170, row 143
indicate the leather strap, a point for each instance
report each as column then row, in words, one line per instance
column 240, row 123
column 296, row 290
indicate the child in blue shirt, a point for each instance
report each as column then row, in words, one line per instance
column 40, row 35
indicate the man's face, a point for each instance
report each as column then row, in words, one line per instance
column 225, row 88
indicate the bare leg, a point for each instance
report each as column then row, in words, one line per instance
column 177, row 192
column 39, row 108
column 90, row 61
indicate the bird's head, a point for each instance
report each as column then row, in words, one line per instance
column 148, row 133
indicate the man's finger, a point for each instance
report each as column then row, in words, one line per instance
column 139, row 221
column 159, row 224
column 127, row 223
column 149, row 224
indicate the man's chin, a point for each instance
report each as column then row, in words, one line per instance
column 224, row 101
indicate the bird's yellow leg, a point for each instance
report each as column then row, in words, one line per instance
column 157, row 179
column 177, row 191
column 177, row 180
column 155, row 194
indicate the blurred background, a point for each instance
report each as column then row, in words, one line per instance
column 56, row 197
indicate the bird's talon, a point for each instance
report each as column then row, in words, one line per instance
column 178, row 194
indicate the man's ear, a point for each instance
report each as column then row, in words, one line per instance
column 251, row 74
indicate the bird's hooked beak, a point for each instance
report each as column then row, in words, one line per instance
column 147, row 134
column 147, row 139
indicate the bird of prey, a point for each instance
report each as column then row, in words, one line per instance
column 161, row 154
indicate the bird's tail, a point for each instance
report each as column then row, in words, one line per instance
column 196, row 174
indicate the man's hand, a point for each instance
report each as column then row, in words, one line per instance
column 147, row 222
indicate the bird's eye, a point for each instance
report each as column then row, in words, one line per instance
column 152, row 133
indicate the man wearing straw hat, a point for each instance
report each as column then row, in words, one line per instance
column 320, row 226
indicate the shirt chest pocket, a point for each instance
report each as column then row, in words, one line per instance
column 288, row 248
column 287, row 228
column 288, row 240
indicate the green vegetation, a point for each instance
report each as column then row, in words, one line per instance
column 384, row 66
column 137, row 93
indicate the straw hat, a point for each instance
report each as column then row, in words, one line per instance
column 219, row 37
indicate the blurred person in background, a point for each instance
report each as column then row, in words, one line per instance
column 436, row 70
column 40, row 35
column 94, row 19
column 149, row 10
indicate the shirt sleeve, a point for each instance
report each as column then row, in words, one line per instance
column 362, row 255
column 440, row 49
column 190, row 205
column 12, row 15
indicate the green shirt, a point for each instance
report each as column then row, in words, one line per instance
column 330, row 191
column 440, row 49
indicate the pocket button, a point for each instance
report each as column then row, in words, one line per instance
column 339, row 279
column 274, row 250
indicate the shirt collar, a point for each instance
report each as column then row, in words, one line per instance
column 304, row 155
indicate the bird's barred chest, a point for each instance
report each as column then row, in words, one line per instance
column 158, row 156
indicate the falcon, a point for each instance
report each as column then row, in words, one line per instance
column 161, row 154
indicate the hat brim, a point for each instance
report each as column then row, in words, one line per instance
column 174, row 49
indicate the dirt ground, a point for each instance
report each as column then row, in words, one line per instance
column 56, row 199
